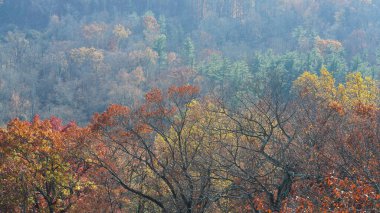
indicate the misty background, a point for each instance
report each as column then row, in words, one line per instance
column 72, row 58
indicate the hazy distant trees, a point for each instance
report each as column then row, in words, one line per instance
column 224, row 43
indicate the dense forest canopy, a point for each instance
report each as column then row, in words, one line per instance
column 216, row 39
column 189, row 105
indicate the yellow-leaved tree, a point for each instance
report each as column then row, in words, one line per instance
column 338, row 126
column 42, row 167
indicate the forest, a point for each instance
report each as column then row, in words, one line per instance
column 189, row 106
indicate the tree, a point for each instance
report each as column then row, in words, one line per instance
column 121, row 33
column 339, row 124
column 94, row 33
column 189, row 51
column 262, row 158
column 161, row 152
column 160, row 47
column 42, row 166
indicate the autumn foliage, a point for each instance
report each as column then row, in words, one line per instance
column 42, row 167
column 178, row 151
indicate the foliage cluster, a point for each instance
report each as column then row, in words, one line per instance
column 178, row 151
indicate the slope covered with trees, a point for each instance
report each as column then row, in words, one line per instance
column 73, row 58
column 189, row 106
